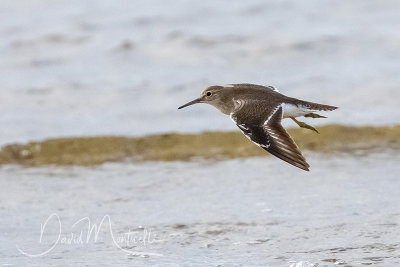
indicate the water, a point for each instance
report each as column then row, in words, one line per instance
column 249, row 212
column 72, row 68
column 84, row 68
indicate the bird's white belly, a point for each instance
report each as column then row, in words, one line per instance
column 290, row 110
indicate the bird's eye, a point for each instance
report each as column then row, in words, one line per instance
column 208, row 93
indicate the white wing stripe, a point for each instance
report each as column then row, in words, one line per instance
column 273, row 112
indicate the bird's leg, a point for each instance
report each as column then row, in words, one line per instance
column 313, row 115
column 304, row 125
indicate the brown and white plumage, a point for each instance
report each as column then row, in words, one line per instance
column 258, row 111
column 271, row 136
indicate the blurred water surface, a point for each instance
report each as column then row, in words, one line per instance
column 77, row 68
column 251, row 212
column 71, row 68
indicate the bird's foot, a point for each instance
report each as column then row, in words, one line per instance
column 304, row 125
column 313, row 115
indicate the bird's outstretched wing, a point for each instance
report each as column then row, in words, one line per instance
column 272, row 137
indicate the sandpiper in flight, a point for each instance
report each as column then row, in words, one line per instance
column 258, row 110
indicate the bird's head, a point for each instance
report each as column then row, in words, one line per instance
column 212, row 95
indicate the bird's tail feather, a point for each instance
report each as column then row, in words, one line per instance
column 316, row 106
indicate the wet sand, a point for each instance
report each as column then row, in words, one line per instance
column 242, row 212
column 87, row 151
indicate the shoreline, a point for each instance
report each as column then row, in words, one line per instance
column 90, row 151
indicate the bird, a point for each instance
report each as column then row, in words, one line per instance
column 258, row 112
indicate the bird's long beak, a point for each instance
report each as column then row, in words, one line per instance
column 198, row 100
